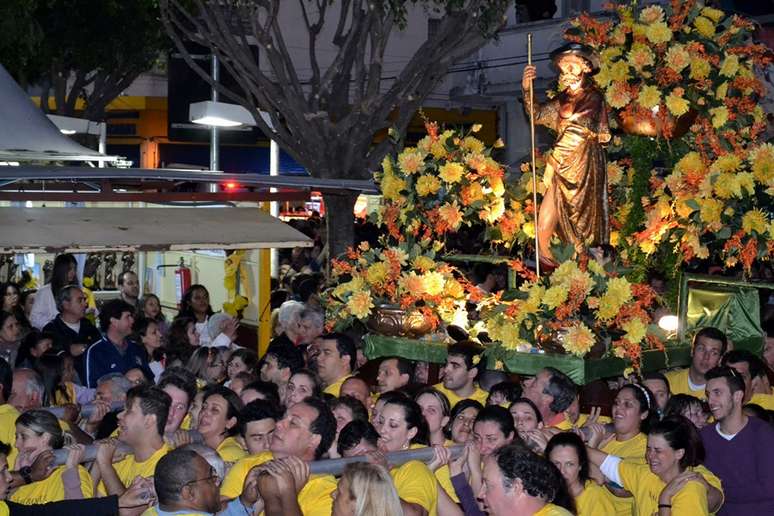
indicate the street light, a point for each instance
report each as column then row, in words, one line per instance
column 219, row 114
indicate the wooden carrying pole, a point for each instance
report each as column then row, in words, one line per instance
column 534, row 168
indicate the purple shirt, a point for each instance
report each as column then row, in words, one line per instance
column 745, row 466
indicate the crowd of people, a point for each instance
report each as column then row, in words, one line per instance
column 139, row 413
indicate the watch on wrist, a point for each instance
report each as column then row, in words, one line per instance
column 26, row 473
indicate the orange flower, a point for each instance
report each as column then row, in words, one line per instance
column 451, row 215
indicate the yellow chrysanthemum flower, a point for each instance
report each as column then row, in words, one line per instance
column 658, row 32
column 472, row 144
column 705, row 26
column 423, row 263
column 596, row 268
column 427, row 185
column 614, row 173
column 652, row 14
column 762, row 160
column 677, row 58
column 713, row 14
column 700, row 69
column 730, row 65
column 608, row 54
column 392, row 187
column 387, row 165
column 677, row 105
column 410, row 161
column 360, row 304
column 529, row 229
column 434, row 283
column 411, row 283
column 722, row 91
column 719, row 116
column 710, row 211
column 438, row 149
column 493, row 211
column 617, row 95
column 497, row 186
column 454, row 289
column 649, row 96
column 726, row 163
column 377, row 273
column 690, row 163
column 578, row 339
column 451, row 172
column 619, row 291
column 635, row 329
column 755, row 220
column 619, row 71
column 640, row 56
column 746, row 181
column 451, row 213
column 554, row 297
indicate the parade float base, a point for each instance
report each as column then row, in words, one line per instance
column 581, row 370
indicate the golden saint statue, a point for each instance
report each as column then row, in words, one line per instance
column 575, row 203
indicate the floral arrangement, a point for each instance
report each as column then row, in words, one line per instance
column 233, row 276
column 691, row 66
column 409, row 276
column 448, row 180
column 579, row 306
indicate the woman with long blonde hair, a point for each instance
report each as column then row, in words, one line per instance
column 365, row 490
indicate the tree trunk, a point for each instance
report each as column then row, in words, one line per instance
column 339, row 208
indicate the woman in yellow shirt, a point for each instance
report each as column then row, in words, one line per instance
column 400, row 424
column 38, row 431
column 218, row 422
column 568, row 453
column 668, row 484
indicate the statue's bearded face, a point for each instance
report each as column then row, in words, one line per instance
column 572, row 70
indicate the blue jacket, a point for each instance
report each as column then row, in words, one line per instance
column 103, row 357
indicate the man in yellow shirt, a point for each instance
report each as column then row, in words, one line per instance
column 336, row 361
column 518, row 481
column 141, row 426
column 394, row 373
column 460, row 373
column 306, row 431
column 757, row 389
column 709, row 345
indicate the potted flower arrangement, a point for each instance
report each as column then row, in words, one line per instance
column 580, row 309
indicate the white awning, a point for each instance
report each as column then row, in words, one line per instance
column 27, row 135
column 57, row 230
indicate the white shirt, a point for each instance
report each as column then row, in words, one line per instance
column 44, row 308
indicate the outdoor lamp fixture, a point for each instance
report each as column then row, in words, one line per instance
column 219, row 114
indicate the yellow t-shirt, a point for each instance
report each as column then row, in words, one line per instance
column 230, row 450
column 153, row 511
column 51, row 489
column 647, row 486
column 479, row 395
column 415, row 483
column 185, row 424
column 765, row 401
column 566, row 425
column 443, row 475
column 632, row 450
column 678, row 384
column 314, row 499
column 128, row 469
column 550, row 509
column 593, row 500
column 335, row 387
column 8, row 416
column 3, row 509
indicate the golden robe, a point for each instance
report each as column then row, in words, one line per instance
column 578, row 160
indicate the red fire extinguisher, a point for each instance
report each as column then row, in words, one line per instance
column 182, row 281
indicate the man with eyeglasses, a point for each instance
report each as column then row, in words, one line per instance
column 186, row 484
column 303, row 435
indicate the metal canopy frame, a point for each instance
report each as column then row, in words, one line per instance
column 84, row 184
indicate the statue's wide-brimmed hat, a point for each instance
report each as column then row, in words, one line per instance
column 577, row 49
